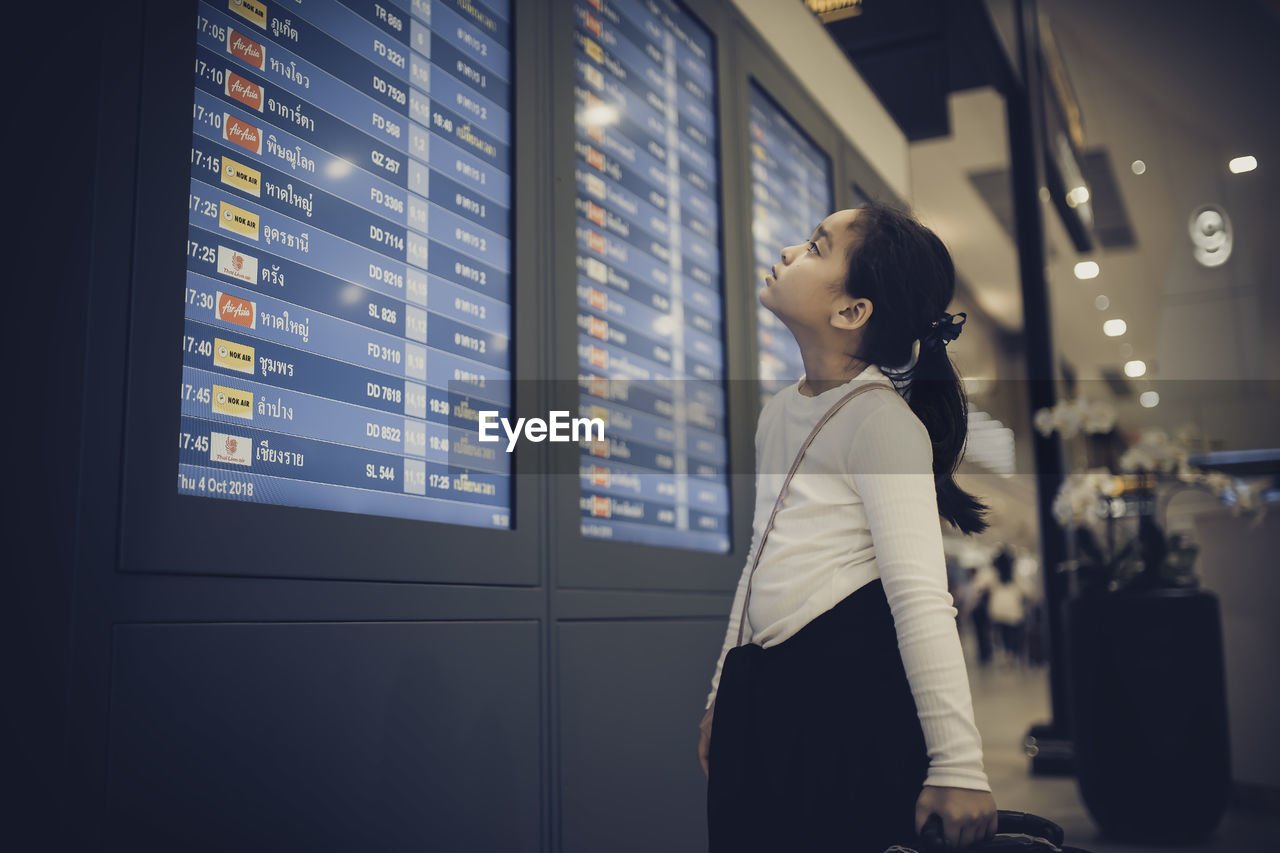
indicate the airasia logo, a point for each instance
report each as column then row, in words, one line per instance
column 245, row 91
column 240, row 45
column 241, row 133
column 233, row 309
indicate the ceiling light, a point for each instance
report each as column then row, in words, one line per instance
column 1134, row 369
column 1138, row 167
column 1243, row 164
column 834, row 10
column 1149, row 399
column 1114, row 328
column 1101, row 302
column 1078, row 196
column 1087, row 269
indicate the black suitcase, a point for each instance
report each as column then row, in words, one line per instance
column 1014, row 831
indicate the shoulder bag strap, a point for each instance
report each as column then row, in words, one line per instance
column 777, row 504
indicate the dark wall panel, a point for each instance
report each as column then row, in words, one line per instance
column 631, row 694
column 326, row 736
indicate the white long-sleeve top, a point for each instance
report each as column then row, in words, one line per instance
column 861, row 505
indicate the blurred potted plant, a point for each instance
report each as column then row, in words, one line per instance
column 1152, row 469
column 1146, row 681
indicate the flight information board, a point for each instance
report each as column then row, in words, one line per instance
column 649, row 281
column 791, row 194
column 348, row 301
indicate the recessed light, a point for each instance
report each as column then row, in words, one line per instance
column 1087, row 269
column 1101, row 302
column 1243, row 164
column 1078, row 195
column 1134, row 369
column 1138, row 167
column 1114, row 328
column 1149, row 399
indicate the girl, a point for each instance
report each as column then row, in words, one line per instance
column 845, row 719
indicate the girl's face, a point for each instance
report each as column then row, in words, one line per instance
column 806, row 287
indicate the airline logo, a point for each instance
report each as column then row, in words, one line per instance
column 597, row 385
column 241, row 177
column 599, row 476
column 592, row 23
column 233, row 449
column 593, row 50
column 600, row 507
column 232, row 356
column 595, row 213
column 595, row 242
column 251, row 10
column 233, row 309
column 245, row 91
column 596, row 4
column 598, row 412
column 237, row 265
column 597, row 328
column 597, row 271
column 599, row 358
column 600, row 447
column 238, row 220
column 241, row 133
column 595, row 186
column 241, row 46
column 595, row 159
column 232, row 402
column 594, row 77
column 597, row 299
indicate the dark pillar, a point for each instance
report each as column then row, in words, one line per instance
column 1024, row 106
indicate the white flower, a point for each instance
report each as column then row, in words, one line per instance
column 1099, row 417
column 1078, row 496
column 1044, row 421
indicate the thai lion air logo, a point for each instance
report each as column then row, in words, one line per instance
column 230, row 444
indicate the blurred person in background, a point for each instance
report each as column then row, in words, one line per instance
column 1007, row 607
column 975, row 606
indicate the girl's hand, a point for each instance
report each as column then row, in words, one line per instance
column 704, row 740
column 968, row 816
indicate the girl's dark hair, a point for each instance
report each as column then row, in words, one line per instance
column 907, row 273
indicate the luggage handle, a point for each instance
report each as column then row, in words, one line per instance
column 1024, row 827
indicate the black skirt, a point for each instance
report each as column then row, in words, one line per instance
column 816, row 744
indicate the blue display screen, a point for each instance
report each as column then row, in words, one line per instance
column 791, row 194
column 349, row 256
column 649, row 282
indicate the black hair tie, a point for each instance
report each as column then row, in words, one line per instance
column 945, row 329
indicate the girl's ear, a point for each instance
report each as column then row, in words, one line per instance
column 852, row 314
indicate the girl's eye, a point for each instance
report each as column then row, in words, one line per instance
column 813, row 247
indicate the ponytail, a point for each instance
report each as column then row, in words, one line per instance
column 908, row 274
column 937, row 397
